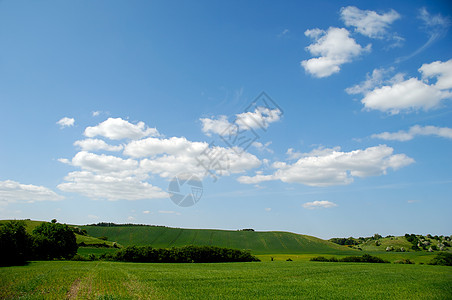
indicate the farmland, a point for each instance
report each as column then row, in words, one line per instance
column 258, row 242
column 265, row 280
column 273, row 278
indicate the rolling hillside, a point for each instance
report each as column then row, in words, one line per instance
column 257, row 242
column 88, row 240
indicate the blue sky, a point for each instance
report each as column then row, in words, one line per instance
column 104, row 103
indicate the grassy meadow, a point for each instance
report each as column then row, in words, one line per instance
column 272, row 278
column 264, row 280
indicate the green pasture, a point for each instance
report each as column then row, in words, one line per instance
column 259, row 280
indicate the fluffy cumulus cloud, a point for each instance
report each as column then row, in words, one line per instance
column 118, row 129
column 110, row 186
column 126, row 175
column 215, row 125
column 368, row 22
column 261, row 117
column 334, row 48
column 406, row 95
column 102, row 163
column 326, row 167
column 319, row 204
column 12, row 191
column 66, row 122
column 96, row 144
column 414, row 131
column 168, row 157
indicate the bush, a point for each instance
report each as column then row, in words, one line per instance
column 442, row 259
column 404, row 261
column 366, row 258
column 289, row 259
column 78, row 257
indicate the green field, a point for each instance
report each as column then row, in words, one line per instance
column 258, row 242
column 265, row 280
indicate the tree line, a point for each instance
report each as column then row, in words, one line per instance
column 47, row 241
column 58, row 241
column 185, row 254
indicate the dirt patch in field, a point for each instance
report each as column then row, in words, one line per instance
column 73, row 291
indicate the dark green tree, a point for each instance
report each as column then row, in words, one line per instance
column 54, row 240
column 15, row 243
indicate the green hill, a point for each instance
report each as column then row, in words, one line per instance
column 258, row 242
column 88, row 240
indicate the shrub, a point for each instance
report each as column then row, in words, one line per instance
column 366, row 258
column 289, row 259
column 319, row 258
column 404, row 261
column 442, row 259
column 78, row 257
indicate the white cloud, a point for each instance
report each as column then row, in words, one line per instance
column 292, row 154
column 415, row 130
column 319, row 204
column 334, row 47
column 262, row 147
column 102, row 163
column 217, row 126
column 268, row 209
column 261, row 117
column 168, row 157
column 156, row 146
column 12, row 191
column 373, row 80
column 433, row 22
column 66, row 122
column 96, row 144
column 111, row 187
column 95, row 113
column 225, row 161
column 368, row 22
column 146, row 212
column 405, row 95
column 326, row 167
column 117, row 129
column 442, row 71
column 126, row 175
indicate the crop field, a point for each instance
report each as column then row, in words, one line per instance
column 257, row 242
column 265, row 280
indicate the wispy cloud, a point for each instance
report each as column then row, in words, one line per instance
column 319, row 204
column 414, row 131
column 436, row 27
